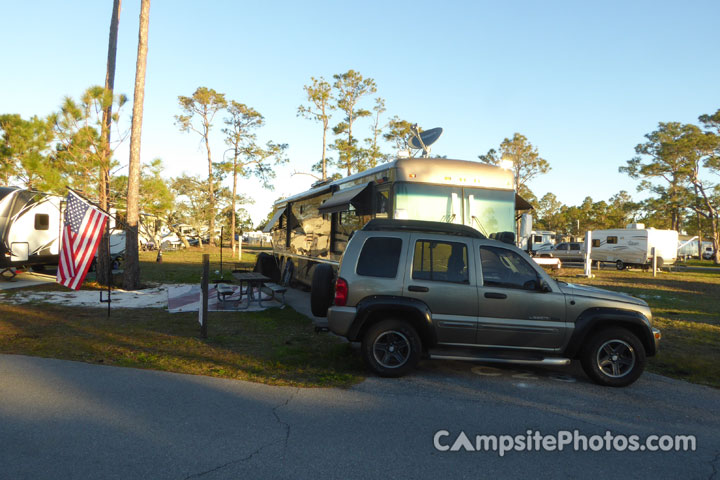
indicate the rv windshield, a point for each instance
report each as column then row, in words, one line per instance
column 488, row 211
column 428, row 202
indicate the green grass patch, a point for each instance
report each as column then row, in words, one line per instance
column 275, row 346
column 185, row 265
column 685, row 308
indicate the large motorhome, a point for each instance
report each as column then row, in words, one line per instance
column 29, row 228
column 313, row 227
column 632, row 246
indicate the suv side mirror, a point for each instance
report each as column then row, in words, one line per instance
column 545, row 287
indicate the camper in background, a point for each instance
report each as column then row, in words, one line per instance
column 29, row 229
column 632, row 246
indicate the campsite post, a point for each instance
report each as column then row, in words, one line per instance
column 204, row 306
column 654, row 257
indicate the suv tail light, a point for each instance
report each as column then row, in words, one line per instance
column 341, row 292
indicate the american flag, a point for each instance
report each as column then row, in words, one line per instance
column 81, row 233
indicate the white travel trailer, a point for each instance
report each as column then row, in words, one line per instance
column 29, row 228
column 632, row 246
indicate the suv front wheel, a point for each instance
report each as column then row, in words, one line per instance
column 614, row 357
column 391, row 348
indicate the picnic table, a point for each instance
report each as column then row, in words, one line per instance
column 252, row 281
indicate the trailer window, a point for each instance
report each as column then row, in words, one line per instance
column 42, row 221
column 596, row 242
column 611, row 239
column 380, row 257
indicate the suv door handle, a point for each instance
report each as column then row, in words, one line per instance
column 417, row 288
column 499, row 296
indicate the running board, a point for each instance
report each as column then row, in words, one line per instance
column 518, row 361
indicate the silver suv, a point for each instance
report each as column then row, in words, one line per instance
column 565, row 251
column 409, row 288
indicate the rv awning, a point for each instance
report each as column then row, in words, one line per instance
column 274, row 220
column 342, row 199
column 521, row 203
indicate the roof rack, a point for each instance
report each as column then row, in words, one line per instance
column 380, row 224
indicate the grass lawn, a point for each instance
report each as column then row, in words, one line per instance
column 698, row 263
column 685, row 306
column 185, row 265
column 276, row 346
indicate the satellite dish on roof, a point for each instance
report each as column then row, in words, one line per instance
column 422, row 140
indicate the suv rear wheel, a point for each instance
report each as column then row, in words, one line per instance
column 391, row 348
column 614, row 357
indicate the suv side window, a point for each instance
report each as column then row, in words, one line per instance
column 440, row 261
column 379, row 257
column 562, row 246
column 505, row 268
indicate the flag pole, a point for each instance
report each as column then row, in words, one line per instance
column 107, row 231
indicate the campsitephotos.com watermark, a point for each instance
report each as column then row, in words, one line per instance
column 534, row 441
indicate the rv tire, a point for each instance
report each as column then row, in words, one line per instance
column 620, row 265
column 266, row 265
column 322, row 292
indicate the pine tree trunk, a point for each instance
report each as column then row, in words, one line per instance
column 104, row 262
column 232, row 214
column 324, row 161
column 211, row 189
column 131, row 280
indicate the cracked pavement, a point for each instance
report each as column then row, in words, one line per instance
column 62, row 419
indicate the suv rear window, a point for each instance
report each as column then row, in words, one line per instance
column 440, row 261
column 379, row 257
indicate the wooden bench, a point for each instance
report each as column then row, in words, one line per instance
column 273, row 289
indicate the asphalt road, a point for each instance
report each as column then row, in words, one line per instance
column 65, row 420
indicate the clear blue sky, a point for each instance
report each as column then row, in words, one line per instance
column 584, row 81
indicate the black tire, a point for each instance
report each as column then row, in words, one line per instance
column 37, row 268
column 287, row 273
column 613, row 357
column 266, row 265
column 322, row 290
column 620, row 265
column 391, row 348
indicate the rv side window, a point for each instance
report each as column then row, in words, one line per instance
column 537, row 239
column 42, row 221
column 380, row 257
column 382, row 203
column 596, row 242
column 611, row 239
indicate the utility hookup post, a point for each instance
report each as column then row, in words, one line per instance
column 204, row 295
column 588, row 249
column 654, row 257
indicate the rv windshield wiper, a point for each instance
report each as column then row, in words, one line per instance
column 482, row 229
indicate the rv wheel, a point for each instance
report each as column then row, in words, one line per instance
column 620, row 265
column 322, row 293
